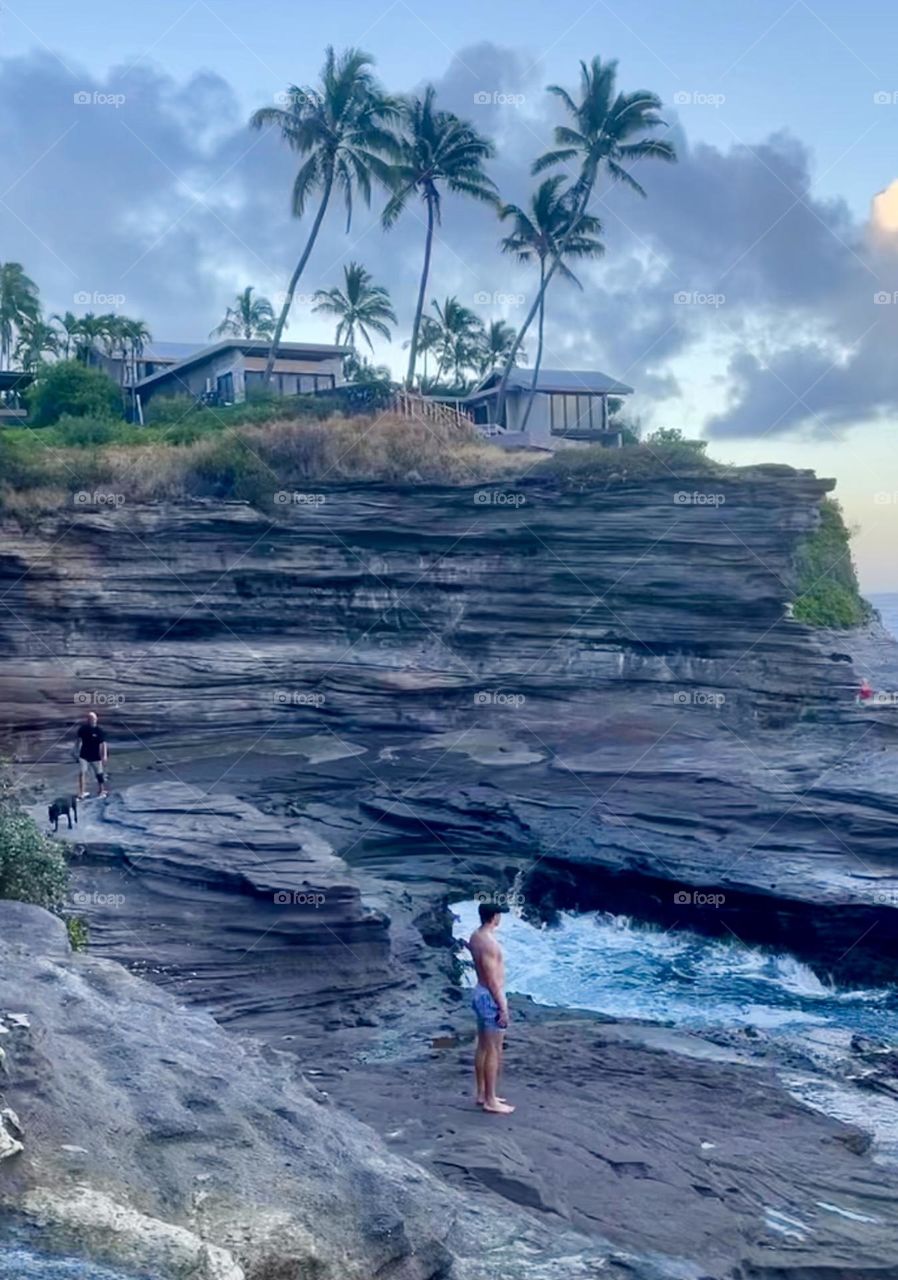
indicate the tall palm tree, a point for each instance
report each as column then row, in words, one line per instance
column 361, row 306
column 495, row 347
column 436, row 149
column 428, row 343
column 68, row 328
column 342, row 130
column 540, row 235
column 133, row 337
column 36, row 339
column 92, row 331
column 608, row 134
column 460, row 338
column 248, row 317
column 19, row 306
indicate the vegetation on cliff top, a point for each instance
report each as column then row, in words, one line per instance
column 828, row 591
column 32, row 868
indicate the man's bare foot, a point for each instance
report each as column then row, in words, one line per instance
column 498, row 1108
column 481, row 1102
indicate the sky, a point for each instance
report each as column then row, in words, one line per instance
column 751, row 298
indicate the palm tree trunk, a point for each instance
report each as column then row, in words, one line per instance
column 294, row 281
column 422, row 291
column 539, row 300
column 539, row 343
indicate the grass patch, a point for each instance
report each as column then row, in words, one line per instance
column 595, row 467
column 828, row 591
column 32, row 867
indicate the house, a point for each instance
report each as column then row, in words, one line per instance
column 12, row 407
column 228, row 371
column 570, row 408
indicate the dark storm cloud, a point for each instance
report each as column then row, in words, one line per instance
column 156, row 190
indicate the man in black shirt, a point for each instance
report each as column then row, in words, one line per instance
column 92, row 755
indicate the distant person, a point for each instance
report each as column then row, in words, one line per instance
column 93, row 755
column 865, row 692
column 490, row 1008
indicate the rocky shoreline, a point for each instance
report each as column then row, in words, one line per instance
column 326, row 731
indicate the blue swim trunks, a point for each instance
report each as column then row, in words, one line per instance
column 485, row 1009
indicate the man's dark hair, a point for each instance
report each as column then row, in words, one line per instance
column 489, row 911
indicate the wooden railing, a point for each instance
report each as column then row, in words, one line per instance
column 408, row 405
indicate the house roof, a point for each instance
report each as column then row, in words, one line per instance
column 584, row 381
column 12, row 379
column 174, row 351
column 249, row 347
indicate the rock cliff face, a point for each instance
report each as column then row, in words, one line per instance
column 603, row 683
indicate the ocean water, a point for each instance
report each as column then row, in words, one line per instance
column 887, row 604
column 613, row 965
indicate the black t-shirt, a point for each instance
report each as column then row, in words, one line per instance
column 92, row 737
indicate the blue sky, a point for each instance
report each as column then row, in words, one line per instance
column 783, row 147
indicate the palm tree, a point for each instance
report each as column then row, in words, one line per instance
column 495, row 347
column 460, row 337
column 428, row 342
column 361, row 306
column 35, row 340
column 134, row 336
column 19, row 306
column 540, row 235
column 91, row 331
column 249, row 317
column 607, row 136
column 342, row 128
column 436, row 149
column 68, row 326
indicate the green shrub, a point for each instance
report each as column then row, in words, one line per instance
column 595, row 467
column 828, row 591
column 69, row 387
column 76, row 433
column 78, row 931
column 32, row 868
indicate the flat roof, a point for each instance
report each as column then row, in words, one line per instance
column 249, row 347
column 584, row 381
column 10, row 379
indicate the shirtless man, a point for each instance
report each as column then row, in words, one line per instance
column 490, row 1009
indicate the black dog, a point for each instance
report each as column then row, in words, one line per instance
column 66, row 807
